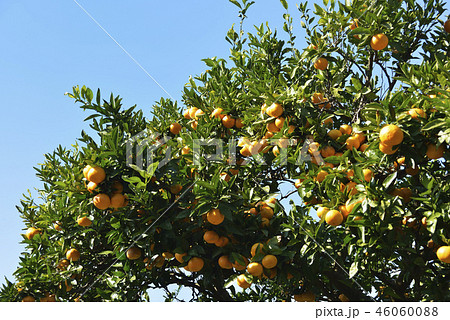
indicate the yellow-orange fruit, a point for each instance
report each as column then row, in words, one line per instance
column 334, row 217
column 242, row 282
column 195, row 264
column 269, row 261
column 321, row 64
column 102, row 201
column 134, row 253
column 73, row 255
column 225, row 263
column 391, row 135
column 379, row 41
column 214, row 216
column 175, row 128
column 255, row 269
column 96, row 174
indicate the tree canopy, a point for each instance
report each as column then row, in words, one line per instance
column 357, row 124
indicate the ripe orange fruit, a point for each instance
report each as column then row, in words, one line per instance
column 73, row 255
column 117, row 187
column 242, row 281
column 195, row 264
column 84, row 222
column 186, row 114
column 185, row 150
column 117, row 201
column 31, row 232
column 175, row 128
column 210, row 236
column 198, row 114
column 266, row 212
column 134, row 253
column 238, row 124
column 102, row 201
column 167, row 255
column 28, row 299
column 194, row 125
column 272, row 127
column 86, row 170
column 334, row 218
column 91, row 186
column 240, row 267
column 256, row 248
column 321, row 211
column 318, row 98
column 434, row 152
column 387, row 149
column 228, row 122
column 345, row 129
column 343, row 210
column 447, row 26
column 334, row 134
column 222, row 242
column 225, row 263
column 379, row 41
column 443, row 254
column 368, row 174
column 57, row 226
column 417, row 113
column 321, row 176
column 404, row 193
column 217, row 113
column 363, row 147
column 305, row 297
column 354, row 24
column 349, row 207
column 192, row 112
column 344, row 298
column 269, row 261
column 179, row 257
column 321, row 64
column 63, row 264
column 291, row 129
column 361, row 137
column 352, row 142
column 255, row 269
column 176, row 188
column 275, row 110
column 327, row 151
column 391, row 135
column 279, row 122
column 215, row 217
column 96, row 174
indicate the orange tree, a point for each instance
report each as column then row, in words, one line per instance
column 357, row 124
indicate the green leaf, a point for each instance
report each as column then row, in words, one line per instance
column 353, row 269
column 284, row 3
column 389, row 179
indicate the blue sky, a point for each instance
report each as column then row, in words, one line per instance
column 50, row 46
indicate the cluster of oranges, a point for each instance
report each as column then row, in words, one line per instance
column 228, row 121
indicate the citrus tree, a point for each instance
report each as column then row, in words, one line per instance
column 357, row 124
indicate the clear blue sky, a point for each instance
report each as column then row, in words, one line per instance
column 50, row 46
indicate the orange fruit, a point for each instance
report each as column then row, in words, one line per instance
column 363, row 147
column 228, row 122
column 179, row 257
column 91, row 186
column 434, row 152
column 321, row 64
column 117, row 187
column 404, row 193
column 305, row 297
column 210, row 236
column 31, row 232
column 73, row 255
column 186, row 114
column 217, row 113
column 222, row 242
column 185, row 150
column 328, row 122
column 327, row 151
column 334, row 134
column 255, row 269
column 275, row 110
column 84, row 222
column 195, row 264
column 334, row 218
column 198, row 114
column 279, row 122
column 344, row 298
column 272, row 127
column 349, row 207
column 343, row 210
column 321, row 176
column 352, row 142
column 167, row 255
column 291, row 129
column 317, row 98
column 194, row 125
column 361, row 137
column 276, row 151
column 134, row 253
column 266, row 212
column 57, row 226
column 269, row 261
column 240, row 267
column 175, row 128
column 86, row 170
column 354, row 24
column 443, row 254
column 238, row 124
column 192, row 112
column 256, row 248
column 245, row 151
column 28, row 299
column 391, row 135
column 387, row 149
column 225, row 263
column 63, row 264
column 102, row 201
column 368, row 174
column 117, row 201
column 96, row 174
column 214, row 216
column 345, row 129
column 176, row 188
column 417, row 113
column 447, row 26
column 242, row 282
column 321, row 211
column 379, row 41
